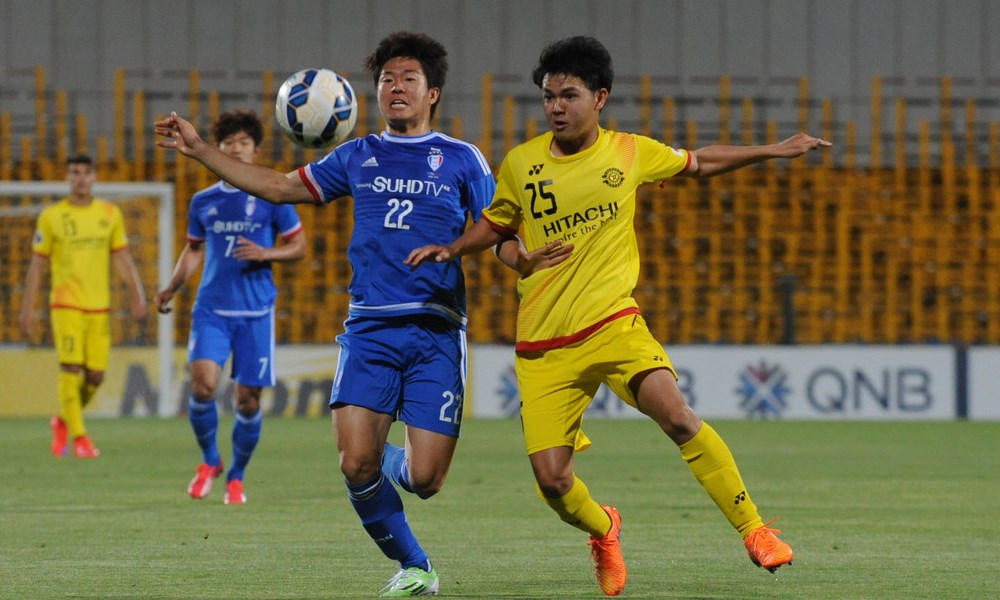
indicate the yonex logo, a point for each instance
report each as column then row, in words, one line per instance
column 741, row 497
column 535, row 169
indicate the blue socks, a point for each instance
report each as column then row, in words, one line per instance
column 381, row 512
column 204, row 419
column 394, row 466
column 246, row 434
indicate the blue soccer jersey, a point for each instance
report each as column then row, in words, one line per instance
column 408, row 192
column 218, row 216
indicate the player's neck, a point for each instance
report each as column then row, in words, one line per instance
column 409, row 128
column 569, row 147
column 80, row 199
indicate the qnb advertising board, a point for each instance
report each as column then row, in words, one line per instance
column 767, row 382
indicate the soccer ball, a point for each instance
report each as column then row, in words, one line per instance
column 316, row 108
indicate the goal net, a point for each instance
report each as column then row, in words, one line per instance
column 142, row 376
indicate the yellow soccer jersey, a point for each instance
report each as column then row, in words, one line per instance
column 79, row 241
column 587, row 199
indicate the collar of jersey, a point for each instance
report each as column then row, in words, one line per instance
column 406, row 139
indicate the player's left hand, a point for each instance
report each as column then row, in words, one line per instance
column 246, row 249
column 549, row 255
column 434, row 252
column 799, row 144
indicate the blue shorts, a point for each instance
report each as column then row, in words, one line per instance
column 410, row 367
column 249, row 339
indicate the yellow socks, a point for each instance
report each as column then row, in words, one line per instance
column 580, row 510
column 713, row 466
column 71, row 403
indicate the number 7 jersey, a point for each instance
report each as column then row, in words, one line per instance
column 408, row 192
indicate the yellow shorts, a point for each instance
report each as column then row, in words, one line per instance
column 557, row 386
column 82, row 338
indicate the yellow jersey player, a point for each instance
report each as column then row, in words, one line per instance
column 572, row 190
column 78, row 239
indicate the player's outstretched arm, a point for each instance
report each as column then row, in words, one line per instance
column 179, row 134
column 476, row 239
column 714, row 160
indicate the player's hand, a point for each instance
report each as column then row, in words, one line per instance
column 163, row 301
column 548, row 256
column 139, row 309
column 799, row 144
column 246, row 249
column 423, row 254
column 177, row 133
column 29, row 324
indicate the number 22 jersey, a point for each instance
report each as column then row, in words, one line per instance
column 408, row 192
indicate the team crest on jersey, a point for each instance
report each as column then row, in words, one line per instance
column 613, row 177
column 250, row 206
column 435, row 159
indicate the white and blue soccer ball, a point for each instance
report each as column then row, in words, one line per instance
column 316, row 108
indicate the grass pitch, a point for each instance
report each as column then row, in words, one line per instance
column 873, row 510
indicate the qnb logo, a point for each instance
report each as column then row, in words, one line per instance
column 535, row 169
column 763, row 391
column 741, row 497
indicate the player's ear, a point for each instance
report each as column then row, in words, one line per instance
column 601, row 98
column 435, row 94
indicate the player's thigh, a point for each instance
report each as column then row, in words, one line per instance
column 68, row 335
column 368, row 374
column 209, row 338
column 253, row 351
column 97, row 341
column 625, row 349
column 554, row 395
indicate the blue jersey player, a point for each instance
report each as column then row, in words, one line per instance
column 403, row 350
column 234, row 234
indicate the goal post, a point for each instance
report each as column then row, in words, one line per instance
column 20, row 204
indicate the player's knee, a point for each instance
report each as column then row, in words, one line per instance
column 554, row 487
column 202, row 390
column 427, row 487
column 95, row 378
column 248, row 403
column 358, row 470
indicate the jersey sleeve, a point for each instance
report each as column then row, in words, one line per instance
column 287, row 221
column 119, row 240
column 42, row 242
column 505, row 210
column 659, row 161
column 196, row 229
column 327, row 179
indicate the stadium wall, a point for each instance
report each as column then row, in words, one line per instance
column 834, row 382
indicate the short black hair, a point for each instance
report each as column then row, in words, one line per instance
column 431, row 55
column 581, row 56
column 80, row 159
column 235, row 121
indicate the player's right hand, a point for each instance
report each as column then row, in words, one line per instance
column 163, row 301
column 177, row 133
column 549, row 255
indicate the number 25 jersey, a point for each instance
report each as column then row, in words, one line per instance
column 408, row 192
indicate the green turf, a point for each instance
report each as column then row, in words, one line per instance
column 873, row 510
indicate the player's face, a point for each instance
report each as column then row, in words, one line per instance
column 573, row 111
column 81, row 178
column 404, row 97
column 240, row 146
